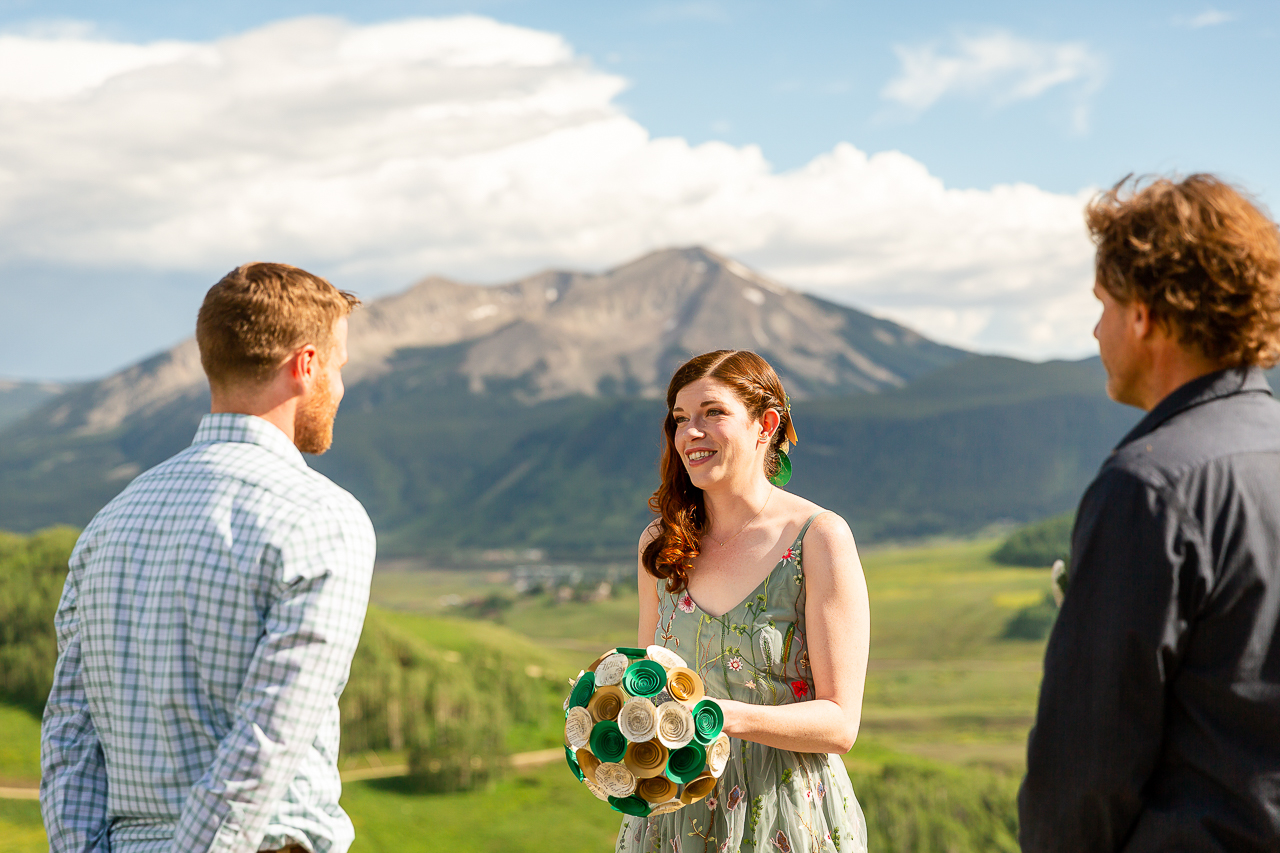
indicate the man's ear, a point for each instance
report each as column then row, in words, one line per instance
column 1141, row 321
column 304, row 366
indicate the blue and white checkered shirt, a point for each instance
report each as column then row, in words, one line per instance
column 204, row 635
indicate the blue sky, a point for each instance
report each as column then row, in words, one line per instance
column 1003, row 118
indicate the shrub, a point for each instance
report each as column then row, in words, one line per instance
column 1038, row 544
column 935, row 809
column 1033, row 622
column 33, row 570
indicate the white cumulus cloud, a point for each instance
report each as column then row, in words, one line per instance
column 484, row 151
column 999, row 67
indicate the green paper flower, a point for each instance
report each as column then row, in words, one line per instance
column 582, row 691
column 685, row 764
column 631, row 805
column 607, row 742
column 644, row 678
column 708, row 721
column 573, row 763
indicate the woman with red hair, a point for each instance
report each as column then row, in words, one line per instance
column 760, row 592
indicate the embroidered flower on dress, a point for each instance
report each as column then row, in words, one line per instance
column 800, row 688
column 790, row 554
column 735, row 664
column 711, row 803
column 780, row 841
column 808, row 795
column 735, row 797
column 685, row 603
column 751, row 685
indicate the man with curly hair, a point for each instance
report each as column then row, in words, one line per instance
column 1158, row 726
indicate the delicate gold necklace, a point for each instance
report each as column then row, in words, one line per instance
column 745, row 526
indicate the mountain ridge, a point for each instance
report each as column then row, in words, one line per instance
column 529, row 414
column 560, row 333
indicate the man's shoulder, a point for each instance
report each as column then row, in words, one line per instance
column 254, row 472
column 1219, row 432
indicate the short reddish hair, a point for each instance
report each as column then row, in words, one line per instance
column 1201, row 255
column 259, row 314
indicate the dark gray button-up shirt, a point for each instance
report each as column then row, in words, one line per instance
column 1159, row 719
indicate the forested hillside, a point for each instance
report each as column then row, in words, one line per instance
column 449, row 710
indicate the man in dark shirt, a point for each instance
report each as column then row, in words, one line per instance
column 1159, row 719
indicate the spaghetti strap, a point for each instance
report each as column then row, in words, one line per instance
column 805, row 529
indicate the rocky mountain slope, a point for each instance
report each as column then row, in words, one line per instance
column 557, row 334
column 527, row 414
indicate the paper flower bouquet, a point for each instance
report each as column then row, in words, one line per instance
column 640, row 734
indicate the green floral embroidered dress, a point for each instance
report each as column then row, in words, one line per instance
column 768, row 799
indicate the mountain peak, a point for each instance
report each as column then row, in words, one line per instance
column 561, row 333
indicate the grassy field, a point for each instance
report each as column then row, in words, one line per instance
column 948, row 706
column 942, row 682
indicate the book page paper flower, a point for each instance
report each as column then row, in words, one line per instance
column 615, row 779
column 675, row 725
column 577, row 727
column 610, row 670
column 717, row 754
column 664, row 656
column 638, row 719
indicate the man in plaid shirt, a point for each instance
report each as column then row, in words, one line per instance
column 212, row 609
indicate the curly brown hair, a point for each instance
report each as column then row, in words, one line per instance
column 1201, row 255
column 680, row 506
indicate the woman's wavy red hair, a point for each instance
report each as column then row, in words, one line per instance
column 680, row 506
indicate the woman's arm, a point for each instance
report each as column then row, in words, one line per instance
column 838, row 620
column 647, row 587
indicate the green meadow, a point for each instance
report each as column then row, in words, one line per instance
column 949, row 701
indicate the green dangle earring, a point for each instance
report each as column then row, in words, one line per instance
column 783, row 474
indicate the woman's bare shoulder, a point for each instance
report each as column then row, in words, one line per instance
column 828, row 539
column 651, row 532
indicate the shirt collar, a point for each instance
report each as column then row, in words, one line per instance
column 1203, row 389
column 248, row 429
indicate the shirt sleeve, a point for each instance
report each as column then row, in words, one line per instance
column 311, row 628
column 1116, row 645
column 73, row 772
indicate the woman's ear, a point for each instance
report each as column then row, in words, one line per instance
column 769, row 424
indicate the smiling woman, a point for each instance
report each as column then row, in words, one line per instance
column 761, row 591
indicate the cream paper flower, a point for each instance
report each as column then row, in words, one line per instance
column 595, row 789
column 718, row 754
column 615, row 779
column 577, row 727
column 666, row 808
column 638, row 719
column 664, row 656
column 611, row 669
column 675, row 725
